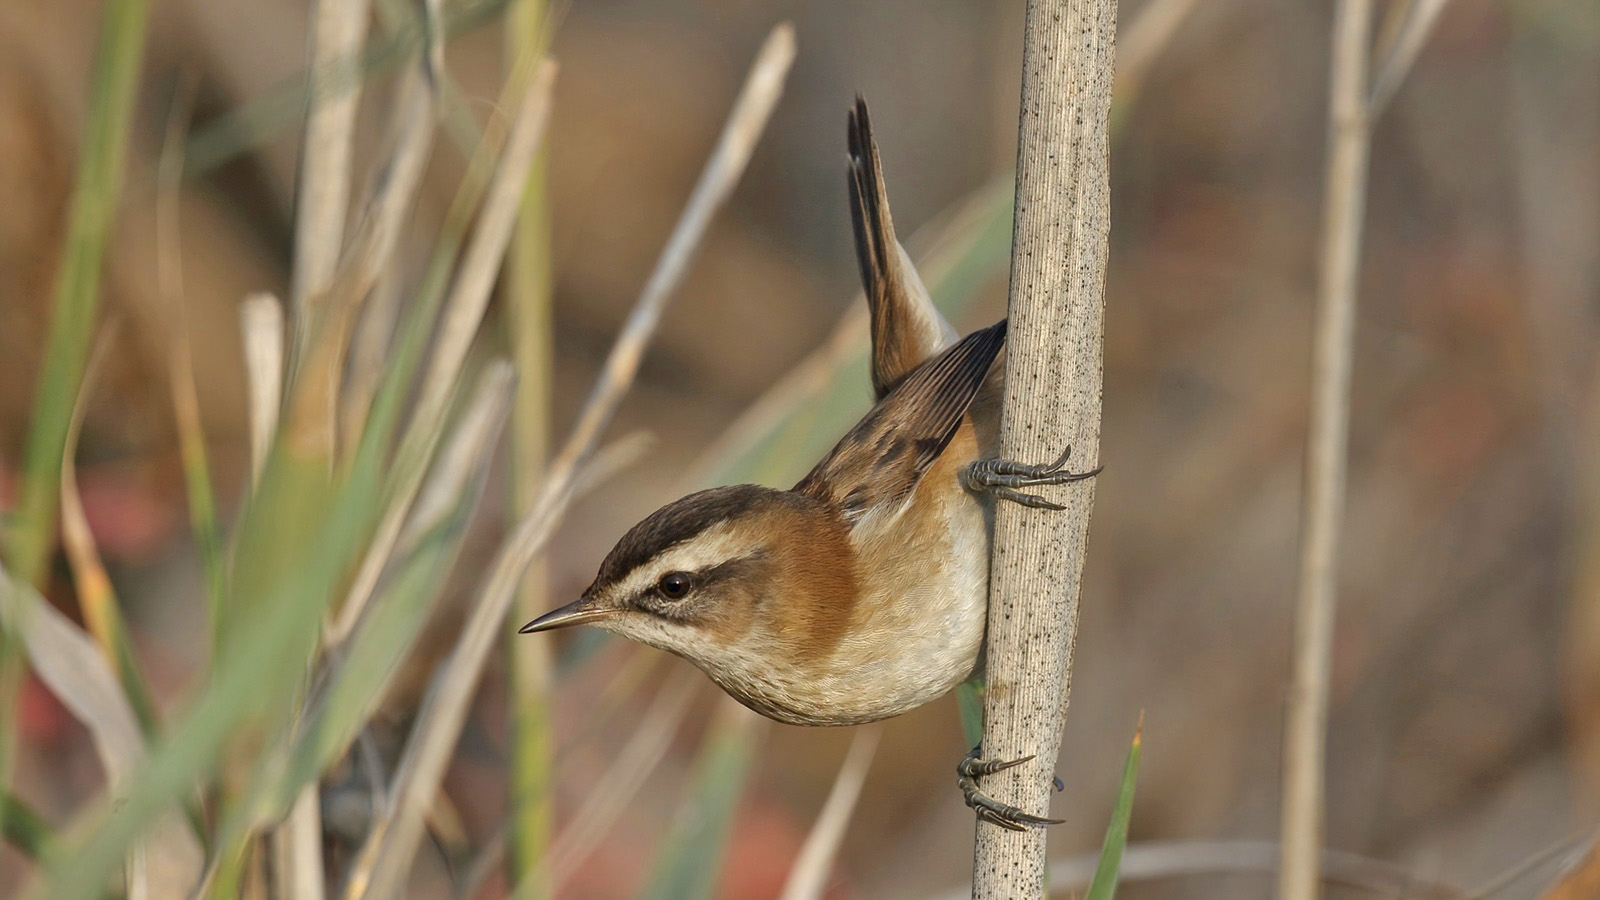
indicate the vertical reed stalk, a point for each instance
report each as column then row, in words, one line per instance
column 528, row 291
column 1052, row 400
column 1305, row 736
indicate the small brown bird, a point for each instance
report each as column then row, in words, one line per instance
column 862, row 592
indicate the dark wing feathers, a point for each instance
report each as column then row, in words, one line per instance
column 880, row 461
column 905, row 327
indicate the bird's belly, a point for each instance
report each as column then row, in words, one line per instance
column 919, row 636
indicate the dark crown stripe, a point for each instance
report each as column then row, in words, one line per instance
column 676, row 523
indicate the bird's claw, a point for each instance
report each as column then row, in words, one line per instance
column 1003, row 477
column 970, row 769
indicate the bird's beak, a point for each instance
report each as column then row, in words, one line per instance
column 578, row 612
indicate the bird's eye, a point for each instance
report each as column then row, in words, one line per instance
column 674, row 585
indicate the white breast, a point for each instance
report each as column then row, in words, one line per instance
column 918, row 633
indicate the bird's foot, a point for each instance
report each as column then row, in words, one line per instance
column 973, row 767
column 1003, row 477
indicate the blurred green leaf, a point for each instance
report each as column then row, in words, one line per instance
column 289, row 577
column 969, row 703
column 77, row 296
column 529, row 289
column 1104, row 886
column 29, row 529
column 23, row 828
column 690, row 857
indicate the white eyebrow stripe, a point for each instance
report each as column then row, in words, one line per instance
column 711, row 547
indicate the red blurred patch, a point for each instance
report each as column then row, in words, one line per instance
column 131, row 519
column 42, row 718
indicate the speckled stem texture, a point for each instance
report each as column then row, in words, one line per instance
column 1052, row 399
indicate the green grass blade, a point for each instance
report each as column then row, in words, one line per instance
column 262, row 663
column 77, row 294
column 197, row 484
column 969, row 702
column 361, row 673
column 25, row 543
column 529, row 289
column 23, row 828
column 1104, row 886
column 690, row 857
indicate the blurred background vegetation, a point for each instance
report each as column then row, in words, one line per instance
column 1465, row 733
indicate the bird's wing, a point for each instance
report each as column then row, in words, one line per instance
column 874, row 468
column 906, row 328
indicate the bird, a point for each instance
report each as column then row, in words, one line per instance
column 861, row 592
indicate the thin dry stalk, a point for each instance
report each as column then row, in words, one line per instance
column 261, row 327
column 727, row 163
column 95, row 597
column 391, row 187
column 462, row 314
column 1052, row 401
column 647, row 745
column 1398, row 47
column 338, row 27
column 385, row 859
column 370, row 348
column 1305, row 734
column 480, row 267
column 809, row 876
column 1147, row 38
column 297, row 849
column 467, row 451
column 311, row 417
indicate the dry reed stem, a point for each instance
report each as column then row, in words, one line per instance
column 1305, row 735
column 311, row 419
column 808, row 877
column 469, row 448
column 370, row 348
column 629, row 770
column 1170, row 860
column 338, row 27
column 261, row 328
column 480, row 266
column 337, row 30
column 297, row 849
column 386, row 857
column 463, row 312
column 390, row 188
column 1397, row 50
column 1353, row 108
column 1052, row 401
